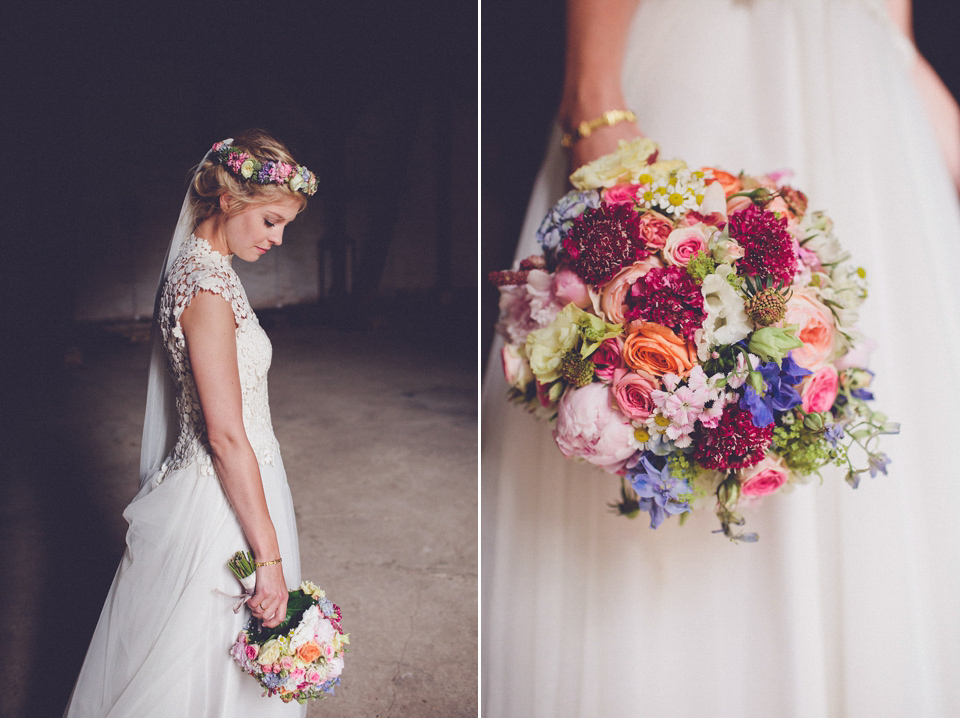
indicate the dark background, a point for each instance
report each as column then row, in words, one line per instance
column 107, row 99
column 521, row 84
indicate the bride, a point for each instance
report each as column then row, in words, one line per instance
column 212, row 481
column 847, row 605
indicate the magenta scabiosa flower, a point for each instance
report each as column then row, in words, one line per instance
column 735, row 443
column 602, row 241
column 767, row 245
column 668, row 296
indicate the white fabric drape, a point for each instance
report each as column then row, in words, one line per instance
column 847, row 607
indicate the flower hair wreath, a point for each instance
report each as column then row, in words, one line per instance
column 241, row 164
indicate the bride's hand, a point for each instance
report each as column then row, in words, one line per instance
column 602, row 141
column 269, row 601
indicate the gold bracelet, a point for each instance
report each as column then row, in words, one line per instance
column 260, row 564
column 587, row 127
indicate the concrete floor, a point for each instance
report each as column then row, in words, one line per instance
column 379, row 439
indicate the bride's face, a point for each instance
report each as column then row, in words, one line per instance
column 251, row 233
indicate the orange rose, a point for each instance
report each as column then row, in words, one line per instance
column 309, row 652
column 656, row 349
column 729, row 183
column 818, row 331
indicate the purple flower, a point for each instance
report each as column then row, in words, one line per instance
column 560, row 218
column 779, row 393
column 833, row 434
column 659, row 492
column 878, row 463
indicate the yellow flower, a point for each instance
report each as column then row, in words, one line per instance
column 246, row 169
column 269, row 652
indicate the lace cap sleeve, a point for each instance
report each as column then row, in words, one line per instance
column 200, row 268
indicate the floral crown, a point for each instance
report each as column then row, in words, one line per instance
column 241, row 164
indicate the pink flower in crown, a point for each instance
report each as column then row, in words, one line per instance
column 284, row 170
column 236, row 160
column 216, row 146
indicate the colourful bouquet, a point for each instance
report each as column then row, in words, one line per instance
column 302, row 657
column 694, row 332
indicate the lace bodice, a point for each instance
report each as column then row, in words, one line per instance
column 198, row 267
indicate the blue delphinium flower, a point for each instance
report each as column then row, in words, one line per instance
column 833, row 434
column 271, row 680
column 659, row 492
column 560, row 218
column 779, row 392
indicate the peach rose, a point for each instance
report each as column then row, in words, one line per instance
column 738, row 203
column 654, row 230
column 817, row 330
column 655, row 349
column 730, row 183
column 632, row 391
column 763, row 478
column 621, row 194
column 614, row 292
column 684, row 243
column 309, row 652
column 819, row 391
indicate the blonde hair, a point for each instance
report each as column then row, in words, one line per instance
column 213, row 180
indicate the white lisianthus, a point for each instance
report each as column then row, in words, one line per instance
column 305, row 630
column 246, row 169
column 546, row 346
column 726, row 321
column 817, row 233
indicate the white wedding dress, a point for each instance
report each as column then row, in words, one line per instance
column 162, row 646
column 849, row 605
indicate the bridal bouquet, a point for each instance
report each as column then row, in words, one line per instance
column 302, row 657
column 693, row 332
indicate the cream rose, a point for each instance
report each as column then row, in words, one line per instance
column 269, row 652
column 246, row 169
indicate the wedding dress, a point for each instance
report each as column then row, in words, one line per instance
column 849, row 604
column 162, row 646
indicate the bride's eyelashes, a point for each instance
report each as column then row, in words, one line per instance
column 269, row 223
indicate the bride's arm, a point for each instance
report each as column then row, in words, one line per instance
column 940, row 104
column 210, row 332
column 596, row 39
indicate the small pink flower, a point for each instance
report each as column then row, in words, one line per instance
column 251, row 650
column 286, row 663
column 607, row 358
column 633, row 390
column 654, row 230
column 684, row 243
column 568, row 287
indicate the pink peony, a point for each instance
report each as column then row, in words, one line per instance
column 569, row 288
column 608, row 358
column 820, row 390
column 588, row 428
column 763, row 478
column 633, row 390
column 614, row 293
column 817, row 329
column 684, row 243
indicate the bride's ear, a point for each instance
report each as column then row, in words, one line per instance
column 225, row 201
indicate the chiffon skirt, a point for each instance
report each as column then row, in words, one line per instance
column 848, row 604
column 162, row 646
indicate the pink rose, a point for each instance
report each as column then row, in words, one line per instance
column 763, row 478
column 621, row 194
column 286, row 663
column 735, row 204
column 632, row 390
column 614, row 292
column 654, row 230
column 516, row 368
column 684, row 243
column 252, row 650
column 820, row 390
column 327, row 650
column 817, row 330
column 314, row 676
column 607, row 358
column 568, row 287
column 589, row 428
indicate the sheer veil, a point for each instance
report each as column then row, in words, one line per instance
column 160, row 418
